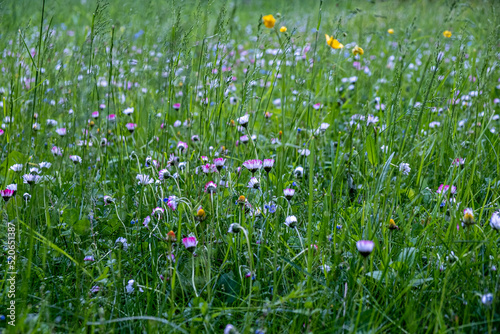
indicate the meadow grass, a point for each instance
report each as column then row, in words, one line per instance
column 148, row 216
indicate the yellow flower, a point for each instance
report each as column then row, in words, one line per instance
column 283, row 29
column 333, row 43
column 390, row 31
column 269, row 21
column 447, row 33
column 358, row 51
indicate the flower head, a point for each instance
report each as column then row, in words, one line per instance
column 357, row 51
column 404, row 168
column 171, row 236
column 291, row 221
column 190, row 243
column 210, row 187
column 444, row 189
column 144, row 179
column 288, row 193
column 390, row 31
column 172, row 202
column 333, row 43
column 269, row 21
column 200, row 214
column 76, row 159
column 268, row 164
column 6, row 194
column 447, row 33
column 468, row 216
column 234, row 228
column 495, row 221
column 253, row 183
column 253, row 165
column 283, row 29
column 131, row 127
column 365, row 247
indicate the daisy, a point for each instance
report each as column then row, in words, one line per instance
column 6, row 194
column 190, row 243
column 128, row 111
column 176, row 106
column 468, row 216
column 95, row 114
column 289, row 193
column 108, row 200
column 16, row 167
column 31, row 179
column 495, row 221
column 112, row 117
column 144, row 179
column 268, row 164
column 208, row 168
column 76, row 159
column 45, row 164
column 158, row 212
column 56, row 151
column 219, row 163
column 131, row 127
column 234, row 228
column 182, row 146
column 210, row 187
column 298, row 172
column 291, row 221
column 61, row 131
column 365, row 247
column 172, row 202
column 253, row 183
column 12, row 187
column 253, row 165
column 243, row 120
column 164, row 174
column 444, row 188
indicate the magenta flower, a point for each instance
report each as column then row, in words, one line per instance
column 190, row 243
column 253, row 165
column 444, row 188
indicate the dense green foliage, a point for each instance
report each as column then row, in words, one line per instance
column 397, row 145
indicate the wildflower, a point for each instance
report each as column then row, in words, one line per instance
column 190, row 243
column 487, row 299
column 95, row 114
column 283, row 29
column 176, row 106
column 128, row 111
column 365, row 247
column 253, row 183
column 291, row 221
column 45, row 164
column 164, row 174
column 16, row 167
column 243, row 120
column 61, row 131
column 6, row 194
column 171, row 236
column 144, row 179
column 304, row 152
column 444, row 188
column 390, row 31
column 288, row 193
column 12, row 187
column 158, row 212
column 269, row 21
column 172, row 202
column 146, row 221
column 182, row 146
column 253, row 165
column 31, row 179
column 208, row 168
column 112, row 117
column 268, row 164
column 458, row 162
column 298, row 172
column 371, row 120
column 95, row 289
column 219, row 163
column 56, row 151
column 210, row 187
column 173, row 160
column 333, row 43
column 130, row 286
column 468, row 216
column 234, row 228
column 392, row 225
column 447, row 33
column 76, row 159
column 404, row 168
column 108, row 200
column 357, row 51
column 495, row 221
column 131, row 127
column 241, row 200
column 88, row 258
column 200, row 214
column 122, row 241
column 26, row 197
column 195, row 138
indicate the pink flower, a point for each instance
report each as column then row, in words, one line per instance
column 6, row 194
column 444, row 188
column 253, row 165
column 177, row 106
column 190, row 243
column 95, row 114
column 112, row 117
column 210, row 187
column 131, row 127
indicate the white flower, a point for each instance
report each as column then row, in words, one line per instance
column 243, row 120
column 495, row 221
column 404, row 168
column 45, row 164
column 253, row 183
column 291, row 221
column 299, row 171
column 128, row 111
column 144, row 179
column 17, row 167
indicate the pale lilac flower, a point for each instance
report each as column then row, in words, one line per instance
column 404, row 168
column 444, row 188
column 268, row 164
column 365, row 247
column 289, row 193
column 144, row 179
column 291, row 221
column 495, row 221
column 16, row 167
column 76, row 159
column 190, row 243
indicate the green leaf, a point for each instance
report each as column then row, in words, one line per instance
column 371, row 150
column 82, row 227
